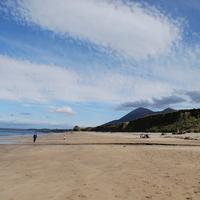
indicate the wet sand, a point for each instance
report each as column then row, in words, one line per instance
column 100, row 167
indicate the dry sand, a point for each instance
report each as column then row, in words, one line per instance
column 98, row 167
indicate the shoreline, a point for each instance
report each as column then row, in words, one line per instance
column 101, row 138
column 18, row 139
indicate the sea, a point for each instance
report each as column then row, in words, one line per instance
column 9, row 136
column 17, row 132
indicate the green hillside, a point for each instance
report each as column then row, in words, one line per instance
column 179, row 121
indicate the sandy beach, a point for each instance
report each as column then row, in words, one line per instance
column 100, row 166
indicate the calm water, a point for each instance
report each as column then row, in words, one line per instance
column 9, row 136
column 15, row 132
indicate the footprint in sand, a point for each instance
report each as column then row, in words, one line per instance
column 82, row 196
column 196, row 190
column 189, row 198
column 148, row 197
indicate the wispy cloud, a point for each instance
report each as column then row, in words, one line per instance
column 167, row 101
column 154, row 103
column 133, row 30
column 127, row 28
column 134, row 104
column 22, row 80
column 25, row 113
column 194, row 96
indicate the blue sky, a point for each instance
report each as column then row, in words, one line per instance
column 87, row 62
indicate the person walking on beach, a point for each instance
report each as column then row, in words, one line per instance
column 34, row 137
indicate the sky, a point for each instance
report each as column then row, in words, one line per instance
column 86, row 62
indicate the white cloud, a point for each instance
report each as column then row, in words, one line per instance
column 132, row 30
column 65, row 110
column 181, row 68
column 24, row 81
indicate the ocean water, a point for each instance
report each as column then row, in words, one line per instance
column 16, row 132
column 9, row 136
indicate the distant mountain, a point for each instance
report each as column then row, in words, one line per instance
column 167, row 110
column 139, row 113
column 136, row 114
column 167, row 120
